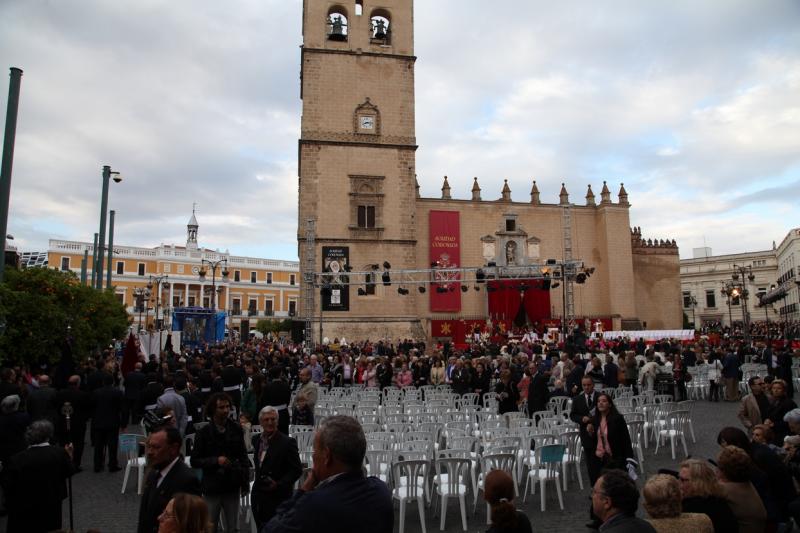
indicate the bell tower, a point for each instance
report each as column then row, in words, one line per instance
column 357, row 160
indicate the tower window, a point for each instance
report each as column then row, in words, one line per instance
column 237, row 276
column 511, row 224
column 380, row 27
column 359, row 7
column 120, row 268
column 337, row 24
column 366, row 216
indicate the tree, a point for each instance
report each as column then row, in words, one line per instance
column 42, row 310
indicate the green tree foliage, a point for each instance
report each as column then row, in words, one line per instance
column 40, row 308
column 266, row 325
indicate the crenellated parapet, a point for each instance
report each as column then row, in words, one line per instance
column 651, row 246
column 535, row 195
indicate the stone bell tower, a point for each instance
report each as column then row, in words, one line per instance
column 357, row 162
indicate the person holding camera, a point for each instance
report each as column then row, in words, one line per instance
column 220, row 452
column 277, row 467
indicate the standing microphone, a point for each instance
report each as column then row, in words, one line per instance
column 67, row 411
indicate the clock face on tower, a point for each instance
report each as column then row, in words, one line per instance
column 367, row 123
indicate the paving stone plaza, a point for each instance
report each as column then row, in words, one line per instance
column 99, row 505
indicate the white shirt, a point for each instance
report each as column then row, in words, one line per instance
column 165, row 471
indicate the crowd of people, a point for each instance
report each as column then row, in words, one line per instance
column 184, row 401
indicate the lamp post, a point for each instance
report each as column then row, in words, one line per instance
column 213, row 265
column 98, row 261
column 746, row 273
column 141, row 295
column 726, row 292
column 158, row 281
column 693, row 303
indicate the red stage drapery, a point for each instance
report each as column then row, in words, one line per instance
column 506, row 297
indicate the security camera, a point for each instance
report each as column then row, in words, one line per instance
column 117, row 178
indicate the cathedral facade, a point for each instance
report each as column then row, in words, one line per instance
column 359, row 201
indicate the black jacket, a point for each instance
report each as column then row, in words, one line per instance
column 35, row 485
column 107, row 408
column 580, row 410
column 281, row 464
column 134, row 384
column 618, row 438
column 538, row 393
column 209, row 445
column 180, row 478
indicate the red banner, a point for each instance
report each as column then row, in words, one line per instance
column 445, row 252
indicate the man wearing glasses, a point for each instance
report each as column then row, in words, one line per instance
column 754, row 405
column 615, row 499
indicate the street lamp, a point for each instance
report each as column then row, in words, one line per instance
column 98, row 261
column 213, row 265
column 158, row 281
column 141, row 295
column 746, row 273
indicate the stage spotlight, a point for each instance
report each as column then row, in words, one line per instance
column 464, row 288
column 441, row 290
column 580, row 278
column 476, row 288
column 480, row 276
column 421, row 289
column 589, row 271
column 386, row 279
column 554, row 285
column 361, row 292
column 401, row 290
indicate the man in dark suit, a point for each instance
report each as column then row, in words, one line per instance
column 134, row 384
column 35, row 482
column 583, row 410
column 610, row 373
column 169, row 476
column 538, row 394
column 336, row 497
column 614, row 501
column 41, row 401
column 106, row 423
column 81, row 403
column 461, row 378
column 277, row 467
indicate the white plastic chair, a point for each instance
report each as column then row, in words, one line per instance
column 675, row 422
column 548, row 468
column 572, row 455
column 410, row 478
column 129, row 445
column 496, row 461
column 454, row 486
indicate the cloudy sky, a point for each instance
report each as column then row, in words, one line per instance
column 695, row 106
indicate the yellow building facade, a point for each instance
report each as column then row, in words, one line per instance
column 254, row 289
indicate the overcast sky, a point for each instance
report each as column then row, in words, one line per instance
column 694, row 105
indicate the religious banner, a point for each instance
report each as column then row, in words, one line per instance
column 335, row 290
column 445, row 253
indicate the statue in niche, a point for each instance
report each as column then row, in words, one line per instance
column 511, row 253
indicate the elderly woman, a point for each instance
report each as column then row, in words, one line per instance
column 507, row 394
column 734, row 467
column 662, row 500
column 12, row 427
column 702, row 493
column 499, row 494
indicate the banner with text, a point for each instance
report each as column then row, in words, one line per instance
column 445, row 252
column 335, row 290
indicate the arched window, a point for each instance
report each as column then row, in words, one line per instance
column 380, row 28
column 337, row 24
column 359, row 7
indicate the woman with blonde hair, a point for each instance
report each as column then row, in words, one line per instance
column 662, row 500
column 185, row 513
column 702, row 493
column 499, row 494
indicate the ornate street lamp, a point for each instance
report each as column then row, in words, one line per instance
column 158, row 282
column 201, row 272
